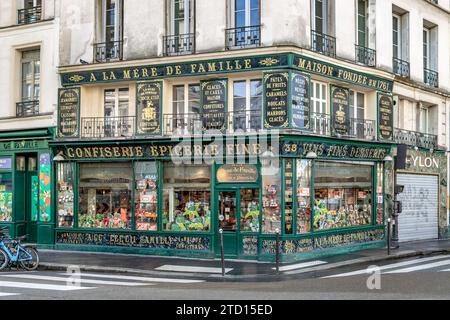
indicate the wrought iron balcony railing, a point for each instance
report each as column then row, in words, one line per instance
column 401, row 67
column 322, row 124
column 416, row 139
column 431, row 78
column 243, row 37
column 179, row 44
column 108, row 51
column 323, row 43
column 108, row 127
column 365, row 56
column 29, row 15
column 27, row 109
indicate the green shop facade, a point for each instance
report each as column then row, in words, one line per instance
column 163, row 194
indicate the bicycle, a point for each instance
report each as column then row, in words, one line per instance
column 12, row 252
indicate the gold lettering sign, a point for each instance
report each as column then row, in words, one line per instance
column 239, row 173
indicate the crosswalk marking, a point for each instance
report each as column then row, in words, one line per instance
column 387, row 267
column 41, row 286
column 146, row 279
column 84, row 281
column 191, row 269
column 421, row 267
column 4, row 294
column 301, row 265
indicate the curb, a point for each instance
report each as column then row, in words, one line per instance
column 267, row 276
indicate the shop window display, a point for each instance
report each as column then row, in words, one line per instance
column 186, row 197
column 65, row 195
column 271, row 208
column 146, row 195
column 342, row 195
column 6, row 197
column 250, row 210
column 304, row 196
column 105, row 195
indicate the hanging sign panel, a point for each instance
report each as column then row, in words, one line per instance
column 340, row 110
column 300, row 93
column 385, row 117
column 149, row 107
column 68, row 112
column 214, row 104
column 276, row 88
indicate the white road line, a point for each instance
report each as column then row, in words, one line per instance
column 191, row 269
column 41, row 286
column 145, row 279
column 387, row 267
column 84, row 281
column 301, row 265
column 4, row 294
column 421, row 267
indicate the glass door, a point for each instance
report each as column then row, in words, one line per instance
column 228, row 220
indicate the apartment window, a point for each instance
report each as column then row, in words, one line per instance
column 319, row 97
column 246, row 13
column 31, row 75
column 186, row 117
column 362, row 18
column 423, row 119
column 247, row 104
column 357, row 105
column 320, row 19
column 110, row 46
column 180, row 25
column 245, row 20
column 116, row 105
column 426, row 48
column 31, row 12
column 396, row 33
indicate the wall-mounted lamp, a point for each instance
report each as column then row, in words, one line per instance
column 59, row 157
column 311, row 155
column 388, row 158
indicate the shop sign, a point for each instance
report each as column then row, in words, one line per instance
column 288, row 196
column 424, row 162
column 340, row 110
column 134, row 241
column 214, row 104
column 152, row 72
column 328, row 70
column 300, row 95
column 149, row 107
column 237, row 173
column 68, row 112
column 276, row 88
column 5, row 163
column 335, row 151
column 23, row 145
column 385, row 117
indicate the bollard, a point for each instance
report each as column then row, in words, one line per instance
column 277, row 250
column 222, row 255
column 389, row 237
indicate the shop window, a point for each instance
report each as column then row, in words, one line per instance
column 342, row 195
column 6, row 197
column 304, row 196
column 65, row 180
column 186, row 197
column 146, row 178
column 271, row 209
column 380, row 201
column 105, row 195
column 250, row 210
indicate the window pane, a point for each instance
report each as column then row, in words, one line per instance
column 254, row 17
column 186, row 197
column 146, row 196
column 65, row 187
column 240, row 4
column 250, row 210
column 271, row 212
column 343, row 195
column 105, row 195
column 194, row 99
column 303, row 196
column 6, row 197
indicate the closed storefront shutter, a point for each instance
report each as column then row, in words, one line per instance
column 419, row 219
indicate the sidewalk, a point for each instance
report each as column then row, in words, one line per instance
column 236, row 270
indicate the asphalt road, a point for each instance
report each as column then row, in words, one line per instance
column 418, row 278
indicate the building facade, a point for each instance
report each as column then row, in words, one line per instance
column 180, row 118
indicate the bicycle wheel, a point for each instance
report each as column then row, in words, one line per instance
column 32, row 264
column 4, row 260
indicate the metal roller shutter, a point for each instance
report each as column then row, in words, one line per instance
column 419, row 220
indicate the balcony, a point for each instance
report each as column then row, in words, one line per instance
column 110, row 127
column 364, row 129
column 26, row 109
column 243, row 37
column 401, row 68
column 108, row 51
column 416, row 139
column 323, row 44
column 179, row 44
column 29, row 15
column 365, row 56
column 431, row 78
